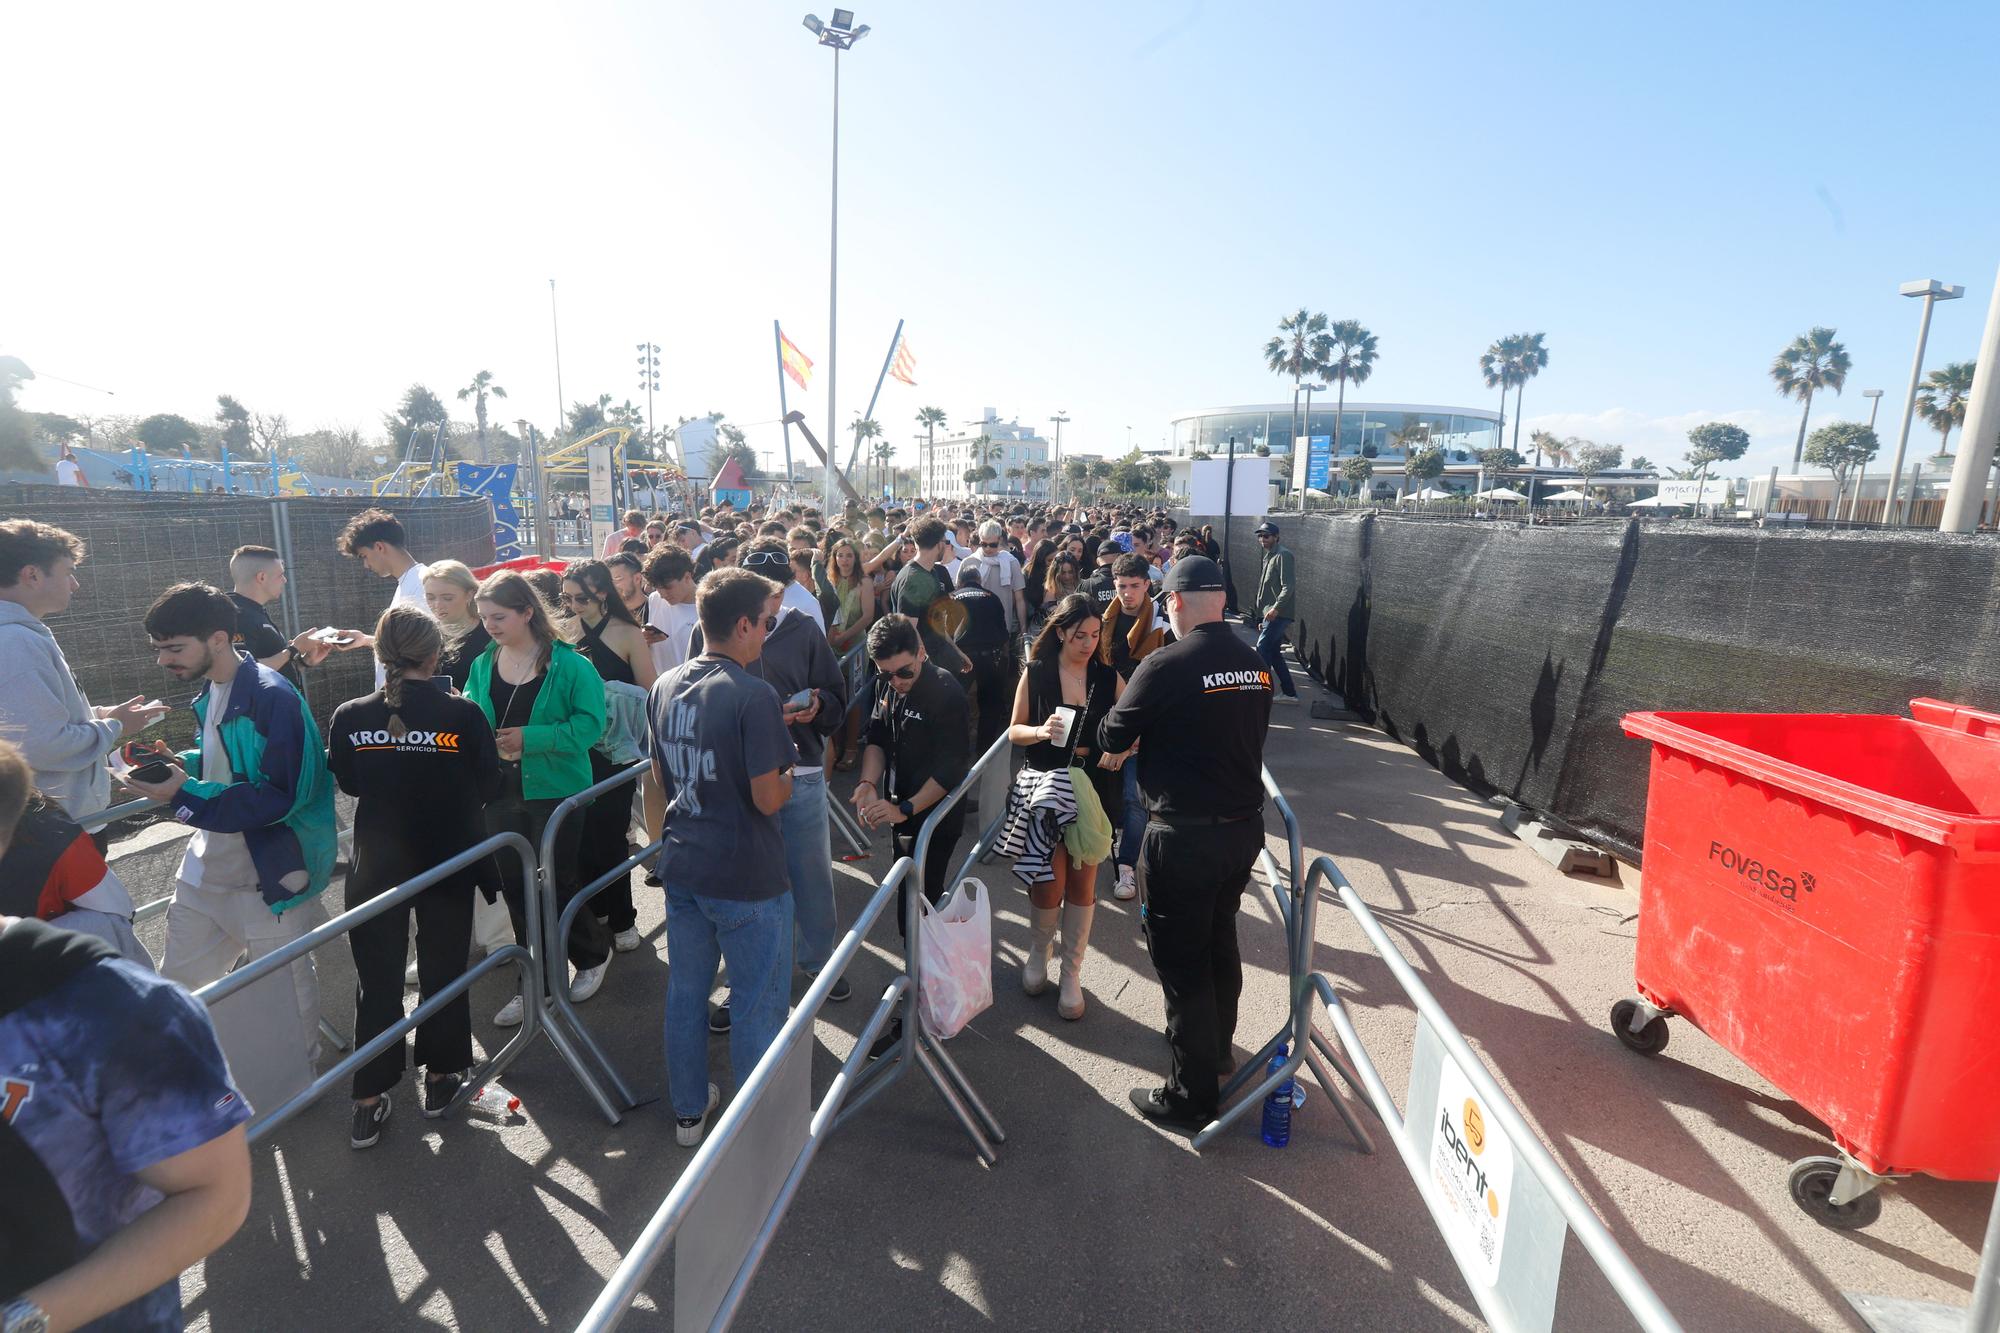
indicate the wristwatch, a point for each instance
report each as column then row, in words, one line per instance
column 24, row 1316
column 904, row 809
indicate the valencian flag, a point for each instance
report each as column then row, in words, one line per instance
column 797, row 364
column 905, row 364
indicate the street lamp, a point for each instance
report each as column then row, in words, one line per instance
column 1932, row 291
column 1874, row 397
column 1055, row 487
column 649, row 380
column 839, row 34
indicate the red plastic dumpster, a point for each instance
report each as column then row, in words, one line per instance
column 1822, row 897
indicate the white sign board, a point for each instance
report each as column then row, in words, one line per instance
column 1685, row 492
column 1472, row 1171
column 1208, row 486
column 603, row 500
column 696, row 442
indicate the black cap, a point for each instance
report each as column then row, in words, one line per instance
column 1267, row 527
column 1193, row 573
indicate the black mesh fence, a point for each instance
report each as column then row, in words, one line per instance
column 140, row 542
column 1507, row 655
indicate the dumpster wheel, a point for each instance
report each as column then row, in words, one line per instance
column 1650, row 1039
column 1811, row 1182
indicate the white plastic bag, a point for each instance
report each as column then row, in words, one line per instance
column 956, row 937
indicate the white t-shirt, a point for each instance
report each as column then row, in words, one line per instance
column 677, row 622
column 800, row 598
column 409, row 592
column 68, row 472
column 1000, row 574
column 219, row 860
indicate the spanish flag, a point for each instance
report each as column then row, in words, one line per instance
column 797, row 364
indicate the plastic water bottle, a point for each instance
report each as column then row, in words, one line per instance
column 493, row 1102
column 1278, row 1106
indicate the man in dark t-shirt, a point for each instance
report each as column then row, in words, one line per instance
column 258, row 573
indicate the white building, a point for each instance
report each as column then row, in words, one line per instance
column 1011, row 449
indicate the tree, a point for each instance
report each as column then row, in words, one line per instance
column 57, row 429
column 1356, row 472
column 1941, row 401
column 1812, row 361
column 419, row 408
column 1839, row 447
column 1548, row 445
column 1499, row 459
column 1014, row 475
column 334, row 453
column 865, row 429
column 481, row 388
column 1531, row 358
column 1300, row 349
column 234, row 419
column 1641, row 462
column 975, row 477
column 167, row 433
column 1422, row 464
column 1590, row 459
column 1099, row 472
column 17, row 448
column 884, row 453
column 271, row 430
column 930, row 418
column 590, row 418
column 1498, row 367
column 1076, row 472
column 1714, row 442
column 1038, row 472
column 1350, row 359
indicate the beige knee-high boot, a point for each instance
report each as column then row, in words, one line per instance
column 1042, row 922
column 1075, row 940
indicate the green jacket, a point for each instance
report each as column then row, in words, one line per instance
column 567, row 719
column 1275, row 584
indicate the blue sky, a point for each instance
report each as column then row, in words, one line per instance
column 1099, row 208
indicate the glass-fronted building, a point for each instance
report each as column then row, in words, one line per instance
column 1373, row 430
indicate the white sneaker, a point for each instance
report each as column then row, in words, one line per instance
column 1284, row 698
column 1127, row 887
column 587, row 980
column 625, row 941
column 509, row 1015
column 688, row 1132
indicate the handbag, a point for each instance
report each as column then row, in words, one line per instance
column 956, row 937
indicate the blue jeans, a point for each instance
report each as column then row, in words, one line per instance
column 1271, row 647
column 809, row 865
column 756, row 939
column 1132, row 827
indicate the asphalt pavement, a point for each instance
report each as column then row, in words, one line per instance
column 1092, row 1218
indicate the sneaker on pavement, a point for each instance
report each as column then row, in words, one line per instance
column 510, row 1014
column 625, row 941
column 1152, row 1103
column 688, row 1129
column 887, row 1041
column 1284, row 698
column 653, row 880
column 718, row 1018
column 840, row 991
column 587, row 980
column 368, row 1122
column 1127, row 887
column 438, row 1093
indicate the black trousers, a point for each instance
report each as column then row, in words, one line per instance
column 938, row 859
column 992, row 694
column 1193, row 877
column 604, row 846
column 444, row 938
column 510, row 812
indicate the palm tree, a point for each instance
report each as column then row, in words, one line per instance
column 1546, row 444
column 1812, row 361
column 1941, row 401
column 1038, row 472
column 1301, row 349
column 1531, row 357
column 984, row 454
column 1498, row 366
column 884, row 451
column 481, row 387
column 930, row 418
column 1350, row 360
column 864, row 428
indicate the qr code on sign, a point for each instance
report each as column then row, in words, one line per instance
column 1486, row 1244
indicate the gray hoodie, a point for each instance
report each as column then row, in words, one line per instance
column 43, row 711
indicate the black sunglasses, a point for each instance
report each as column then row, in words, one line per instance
column 903, row 673
column 989, row 546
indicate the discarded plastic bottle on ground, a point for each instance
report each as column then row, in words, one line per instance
column 1278, row 1106
column 492, row 1101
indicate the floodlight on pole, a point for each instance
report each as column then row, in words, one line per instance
column 1971, row 470
column 1055, row 471
column 840, row 34
column 1874, row 397
column 1931, row 291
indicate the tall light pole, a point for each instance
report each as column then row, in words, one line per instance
column 1967, row 495
column 839, row 34
column 1932, row 291
column 555, row 327
column 1874, row 397
column 649, row 380
column 1055, row 476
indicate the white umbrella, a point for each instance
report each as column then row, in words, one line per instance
column 1433, row 493
column 1654, row 502
column 1567, row 495
column 1503, row 494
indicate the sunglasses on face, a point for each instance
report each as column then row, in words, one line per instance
column 989, row 546
column 903, row 673
column 575, row 599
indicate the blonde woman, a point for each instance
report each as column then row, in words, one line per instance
column 449, row 589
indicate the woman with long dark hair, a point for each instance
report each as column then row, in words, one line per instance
column 421, row 763
column 615, row 644
column 1064, row 691
column 1037, row 590
column 546, row 705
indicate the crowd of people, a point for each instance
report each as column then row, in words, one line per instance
column 743, row 658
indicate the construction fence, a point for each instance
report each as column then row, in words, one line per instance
column 1505, row 654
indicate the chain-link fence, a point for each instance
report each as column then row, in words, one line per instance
column 140, row 542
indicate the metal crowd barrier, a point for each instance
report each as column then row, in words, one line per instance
column 917, row 1045
column 1495, row 1194
column 565, row 1027
column 523, row 958
column 854, row 665
column 758, row 1151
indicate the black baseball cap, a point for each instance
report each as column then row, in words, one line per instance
column 1267, row 528
column 1193, row 573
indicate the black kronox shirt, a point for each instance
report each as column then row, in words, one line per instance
column 925, row 734
column 1200, row 706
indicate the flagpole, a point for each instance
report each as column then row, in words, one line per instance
column 784, row 412
column 869, row 415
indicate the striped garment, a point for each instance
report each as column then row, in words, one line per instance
column 1040, row 805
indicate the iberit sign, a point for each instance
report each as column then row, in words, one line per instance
column 1319, row 462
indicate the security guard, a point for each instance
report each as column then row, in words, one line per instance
column 1201, row 705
